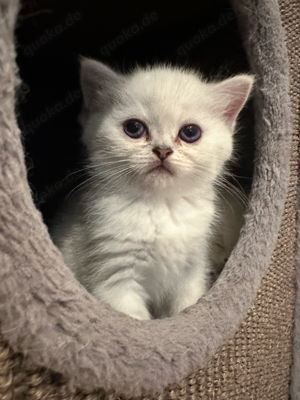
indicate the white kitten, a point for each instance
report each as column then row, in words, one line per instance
column 137, row 236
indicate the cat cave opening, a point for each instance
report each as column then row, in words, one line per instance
column 51, row 35
column 47, row 314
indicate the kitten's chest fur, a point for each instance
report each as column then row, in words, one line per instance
column 169, row 228
column 160, row 240
column 158, row 243
column 161, row 216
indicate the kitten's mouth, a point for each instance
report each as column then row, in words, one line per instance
column 161, row 169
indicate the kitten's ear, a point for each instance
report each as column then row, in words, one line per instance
column 98, row 83
column 230, row 97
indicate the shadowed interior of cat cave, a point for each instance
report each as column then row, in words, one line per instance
column 51, row 35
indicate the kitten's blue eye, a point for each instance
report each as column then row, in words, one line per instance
column 190, row 133
column 135, row 129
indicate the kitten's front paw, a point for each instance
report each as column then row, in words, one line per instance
column 135, row 309
column 142, row 315
column 128, row 297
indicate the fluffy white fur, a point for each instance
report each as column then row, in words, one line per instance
column 135, row 237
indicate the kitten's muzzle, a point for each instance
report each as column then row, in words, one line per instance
column 162, row 153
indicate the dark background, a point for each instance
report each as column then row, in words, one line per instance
column 51, row 34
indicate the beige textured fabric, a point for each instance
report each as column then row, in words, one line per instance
column 255, row 364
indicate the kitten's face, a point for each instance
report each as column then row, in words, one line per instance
column 160, row 129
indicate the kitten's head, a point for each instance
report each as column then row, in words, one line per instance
column 159, row 128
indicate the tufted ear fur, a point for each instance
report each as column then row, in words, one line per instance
column 98, row 83
column 230, row 96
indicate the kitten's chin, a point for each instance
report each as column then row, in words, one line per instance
column 160, row 170
column 158, row 177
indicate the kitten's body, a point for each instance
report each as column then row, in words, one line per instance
column 155, row 248
column 138, row 237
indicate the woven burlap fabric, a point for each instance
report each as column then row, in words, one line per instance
column 256, row 362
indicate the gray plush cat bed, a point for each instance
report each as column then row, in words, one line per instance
column 58, row 342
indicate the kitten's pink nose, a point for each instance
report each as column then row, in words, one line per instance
column 162, row 154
